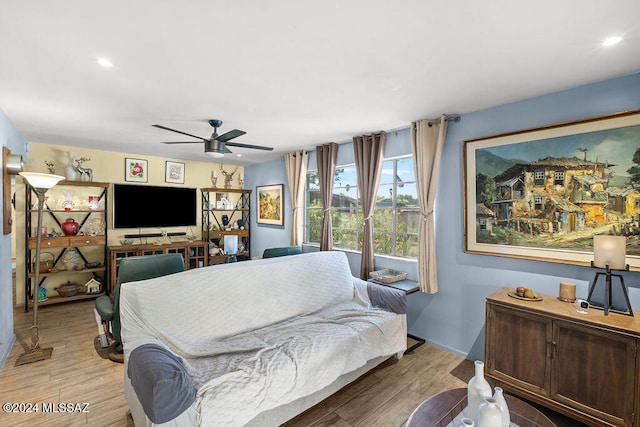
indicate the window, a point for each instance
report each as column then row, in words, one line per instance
column 538, row 201
column 396, row 215
column 558, row 178
column 538, row 178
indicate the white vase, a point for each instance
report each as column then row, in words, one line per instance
column 467, row 422
column 477, row 389
column 502, row 404
column 489, row 414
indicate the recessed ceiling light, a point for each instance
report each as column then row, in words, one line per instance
column 105, row 62
column 238, row 155
column 611, row 41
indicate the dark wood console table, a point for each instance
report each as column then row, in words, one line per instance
column 583, row 365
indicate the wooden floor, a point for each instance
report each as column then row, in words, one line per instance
column 79, row 372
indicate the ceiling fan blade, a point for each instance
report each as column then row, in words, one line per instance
column 179, row 131
column 255, row 147
column 230, row 135
column 181, row 142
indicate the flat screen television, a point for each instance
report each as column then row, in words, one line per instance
column 137, row 206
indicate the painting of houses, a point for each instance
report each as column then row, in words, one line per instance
column 554, row 193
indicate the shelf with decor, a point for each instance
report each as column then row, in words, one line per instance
column 73, row 242
column 195, row 254
column 226, row 212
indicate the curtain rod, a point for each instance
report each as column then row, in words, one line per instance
column 448, row 119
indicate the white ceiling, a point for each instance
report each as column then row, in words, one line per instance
column 291, row 73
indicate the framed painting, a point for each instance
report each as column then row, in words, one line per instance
column 135, row 170
column 174, row 172
column 270, row 202
column 543, row 193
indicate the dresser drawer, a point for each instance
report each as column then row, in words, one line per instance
column 50, row 242
column 86, row 240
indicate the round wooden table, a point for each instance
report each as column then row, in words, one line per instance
column 442, row 409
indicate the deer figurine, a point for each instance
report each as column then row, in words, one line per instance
column 51, row 166
column 228, row 177
column 84, row 171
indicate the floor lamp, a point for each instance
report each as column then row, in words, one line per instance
column 41, row 182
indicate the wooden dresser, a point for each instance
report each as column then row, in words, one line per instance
column 585, row 366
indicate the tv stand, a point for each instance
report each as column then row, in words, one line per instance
column 141, row 236
column 195, row 254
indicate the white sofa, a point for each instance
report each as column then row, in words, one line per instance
column 255, row 342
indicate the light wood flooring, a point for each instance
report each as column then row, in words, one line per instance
column 79, row 372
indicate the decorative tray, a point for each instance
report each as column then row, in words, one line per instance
column 388, row 275
column 514, row 295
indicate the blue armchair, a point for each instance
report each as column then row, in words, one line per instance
column 284, row 251
column 133, row 269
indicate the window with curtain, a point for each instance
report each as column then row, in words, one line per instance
column 396, row 216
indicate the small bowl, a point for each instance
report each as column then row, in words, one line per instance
column 93, row 264
column 68, row 289
column 127, row 242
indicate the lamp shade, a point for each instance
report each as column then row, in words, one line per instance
column 41, row 180
column 230, row 244
column 610, row 251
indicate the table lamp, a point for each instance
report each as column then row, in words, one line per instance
column 231, row 247
column 609, row 253
column 41, row 182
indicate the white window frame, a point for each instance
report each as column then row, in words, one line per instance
column 359, row 209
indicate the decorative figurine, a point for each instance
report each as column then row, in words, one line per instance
column 84, row 171
column 214, row 178
column 51, row 166
column 228, row 177
column 70, row 171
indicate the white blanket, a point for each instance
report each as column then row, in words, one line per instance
column 259, row 334
column 259, row 370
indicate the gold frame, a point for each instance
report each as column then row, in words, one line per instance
column 538, row 141
column 271, row 218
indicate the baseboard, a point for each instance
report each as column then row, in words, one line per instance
column 5, row 349
column 455, row 351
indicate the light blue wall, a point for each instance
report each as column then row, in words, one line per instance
column 454, row 317
column 10, row 138
column 268, row 236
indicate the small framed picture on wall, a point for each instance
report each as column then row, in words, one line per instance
column 270, row 200
column 174, row 172
column 135, row 170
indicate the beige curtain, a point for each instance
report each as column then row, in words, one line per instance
column 326, row 158
column 296, row 164
column 369, row 155
column 427, row 140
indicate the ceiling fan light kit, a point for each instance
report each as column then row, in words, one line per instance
column 215, row 146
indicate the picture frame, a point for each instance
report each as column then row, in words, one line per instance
column 270, row 204
column 174, row 172
column 542, row 193
column 223, row 201
column 136, row 170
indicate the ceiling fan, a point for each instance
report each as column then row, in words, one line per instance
column 216, row 145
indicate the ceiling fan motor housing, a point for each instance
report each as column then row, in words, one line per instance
column 214, row 146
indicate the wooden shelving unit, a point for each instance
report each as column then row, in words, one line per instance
column 59, row 245
column 213, row 228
